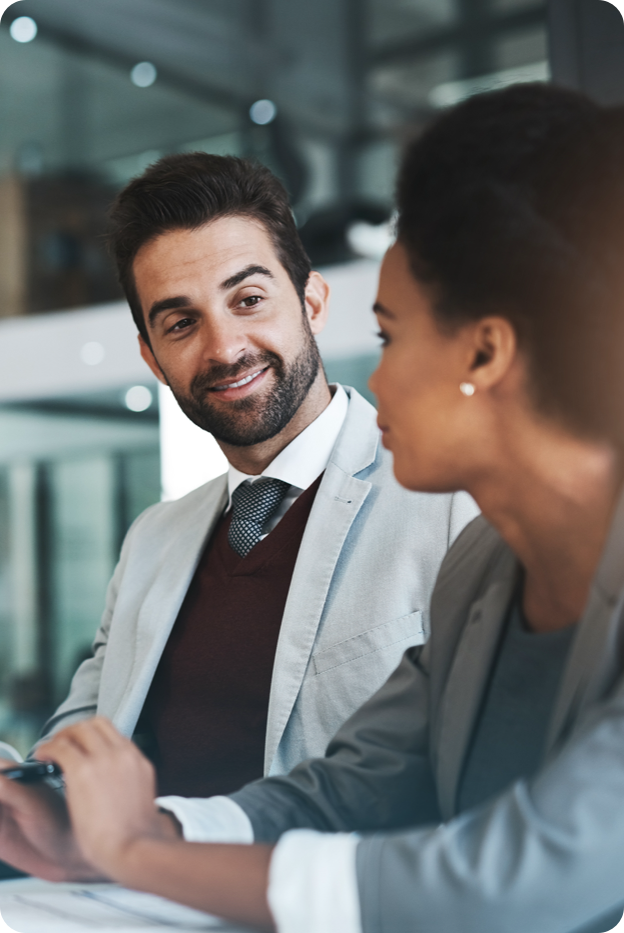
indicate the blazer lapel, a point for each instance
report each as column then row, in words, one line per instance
column 170, row 581
column 468, row 679
column 337, row 503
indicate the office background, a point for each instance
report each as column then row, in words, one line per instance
column 326, row 94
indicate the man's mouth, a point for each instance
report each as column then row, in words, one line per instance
column 240, row 383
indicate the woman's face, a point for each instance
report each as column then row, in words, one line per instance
column 424, row 417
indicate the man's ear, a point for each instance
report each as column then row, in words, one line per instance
column 150, row 359
column 317, row 302
column 492, row 351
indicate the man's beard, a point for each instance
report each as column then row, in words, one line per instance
column 259, row 417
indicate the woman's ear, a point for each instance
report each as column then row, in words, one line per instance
column 317, row 302
column 493, row 350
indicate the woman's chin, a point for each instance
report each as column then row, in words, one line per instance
column 406, row 475
column 418, row 480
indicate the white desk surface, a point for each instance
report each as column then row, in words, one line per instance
column 32, row 906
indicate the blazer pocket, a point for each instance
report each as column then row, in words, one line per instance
column 411, row 629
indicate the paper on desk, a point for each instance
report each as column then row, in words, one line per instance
column 97, row 907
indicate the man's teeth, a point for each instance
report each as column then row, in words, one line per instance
column 237, row 385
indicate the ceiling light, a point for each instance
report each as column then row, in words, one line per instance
column 23, row 29
column 371, row 241
column 92, row 353
column 263, row 112
column 138, row 398
column 144, row 74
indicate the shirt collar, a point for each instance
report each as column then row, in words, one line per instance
column 305, row 458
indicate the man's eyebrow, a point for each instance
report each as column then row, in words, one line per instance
column 381, row 310
column 239, row 277
column 167, row 304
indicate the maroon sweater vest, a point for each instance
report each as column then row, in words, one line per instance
column 206, row 711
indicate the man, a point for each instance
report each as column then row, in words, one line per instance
column 247, row 621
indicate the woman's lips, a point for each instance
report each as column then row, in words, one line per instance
column 242, row 387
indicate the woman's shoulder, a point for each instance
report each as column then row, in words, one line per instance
column 476, row 558
column 479, row 534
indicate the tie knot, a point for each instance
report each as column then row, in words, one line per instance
column 252, row 505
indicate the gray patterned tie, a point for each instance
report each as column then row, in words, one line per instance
column 252, row 505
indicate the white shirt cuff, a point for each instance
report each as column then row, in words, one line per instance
column 211, row 819
column 313, row 883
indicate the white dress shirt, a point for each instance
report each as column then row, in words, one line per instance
column 312, row 885
column 303, row 460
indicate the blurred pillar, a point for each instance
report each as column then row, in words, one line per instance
column 477, row 49
column 12, row 248
column 24, row 585
column 331, row 97
column 586, row 39
column 75, row 113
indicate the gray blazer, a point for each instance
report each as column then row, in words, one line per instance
column 546, row 856
column 359, row 596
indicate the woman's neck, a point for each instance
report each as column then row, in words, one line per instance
column 551, row 498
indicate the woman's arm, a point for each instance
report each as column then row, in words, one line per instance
column 226, row 880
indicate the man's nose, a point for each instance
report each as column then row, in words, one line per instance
column 224, row 341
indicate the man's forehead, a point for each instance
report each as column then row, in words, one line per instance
column 217, row 250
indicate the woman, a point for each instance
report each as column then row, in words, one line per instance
column 486, row 778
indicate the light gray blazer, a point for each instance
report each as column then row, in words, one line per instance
column 547, row 856
column 359, row 596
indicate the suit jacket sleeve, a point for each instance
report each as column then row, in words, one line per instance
column 546, row 855
column 82, row 700
column 375, row 775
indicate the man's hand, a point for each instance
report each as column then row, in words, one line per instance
column 110, row 790
column 35, row 833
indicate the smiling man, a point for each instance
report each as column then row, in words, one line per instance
column 247, row 621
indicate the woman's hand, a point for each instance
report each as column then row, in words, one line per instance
column 35, row 833
column 110, row 790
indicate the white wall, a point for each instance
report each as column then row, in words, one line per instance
column 351, row 329
column 42, row 356
column 189, row 456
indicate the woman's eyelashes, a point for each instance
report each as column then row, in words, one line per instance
column 383, row 337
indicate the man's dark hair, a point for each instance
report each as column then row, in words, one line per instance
column 513, row 204
column 186, row 191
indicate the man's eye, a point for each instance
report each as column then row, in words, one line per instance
column 251, row 301
column 183, row 324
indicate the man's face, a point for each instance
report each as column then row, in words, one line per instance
column 227, row 328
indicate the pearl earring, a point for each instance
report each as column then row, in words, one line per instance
column 467, row 388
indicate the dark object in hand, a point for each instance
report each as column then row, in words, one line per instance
column 30, row 771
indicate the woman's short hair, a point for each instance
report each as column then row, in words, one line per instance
column 513, row 204
column 186, row 191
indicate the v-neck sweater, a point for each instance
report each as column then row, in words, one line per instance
column 208, row 704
